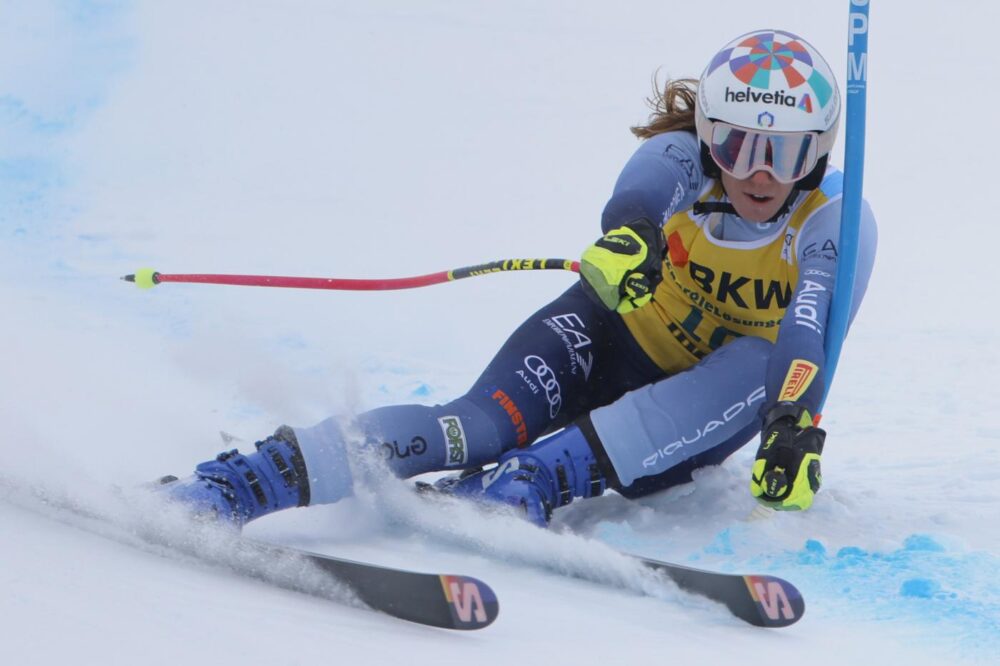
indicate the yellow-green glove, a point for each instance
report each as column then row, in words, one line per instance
column 786, row 474
column 622, row 269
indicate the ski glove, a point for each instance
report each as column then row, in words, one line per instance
column 622, row 269
column 786, row 474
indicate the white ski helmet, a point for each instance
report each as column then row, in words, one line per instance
column 768, row 101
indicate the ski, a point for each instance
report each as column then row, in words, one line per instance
column 760, row 600
column 439, row 600
column 763, row 601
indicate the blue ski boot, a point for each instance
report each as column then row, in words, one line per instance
column 538, row 479
column 235, row 488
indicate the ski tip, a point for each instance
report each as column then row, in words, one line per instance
column 472, row 603
column 778, row 602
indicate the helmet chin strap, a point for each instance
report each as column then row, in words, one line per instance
column 706, row 207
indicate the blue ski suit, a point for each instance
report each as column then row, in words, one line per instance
column 681, row 383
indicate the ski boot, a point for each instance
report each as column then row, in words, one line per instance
column 537, row 479
column 235, row 488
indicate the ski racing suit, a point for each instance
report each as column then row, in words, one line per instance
column 737, row 323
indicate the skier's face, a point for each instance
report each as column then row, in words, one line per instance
column 757, row 198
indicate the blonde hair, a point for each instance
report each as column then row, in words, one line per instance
column 673, row 108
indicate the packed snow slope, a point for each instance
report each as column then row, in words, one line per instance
column 392, row 138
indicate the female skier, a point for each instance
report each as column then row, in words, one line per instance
column 698, row 322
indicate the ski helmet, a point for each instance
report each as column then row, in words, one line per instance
column 768, row 100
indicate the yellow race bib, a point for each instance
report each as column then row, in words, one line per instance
column 714, row 290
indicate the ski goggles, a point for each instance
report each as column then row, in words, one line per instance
column 740, row 152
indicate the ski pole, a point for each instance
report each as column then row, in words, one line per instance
column 147, row 278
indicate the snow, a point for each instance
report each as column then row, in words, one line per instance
column 388, row 139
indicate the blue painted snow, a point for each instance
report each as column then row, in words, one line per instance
column 950, row 594
column 926, row 588
column 37, row 113
column 421, row 391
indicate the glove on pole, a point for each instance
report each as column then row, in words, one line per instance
column 786, row 473
column 622, row 269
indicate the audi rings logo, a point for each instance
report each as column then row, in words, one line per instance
column 547, row 378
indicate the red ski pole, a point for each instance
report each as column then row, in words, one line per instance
column 147, row 278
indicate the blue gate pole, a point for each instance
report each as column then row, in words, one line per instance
column 854, row 169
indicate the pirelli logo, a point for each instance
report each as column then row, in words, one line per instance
column 800, row 376
column 457, row 449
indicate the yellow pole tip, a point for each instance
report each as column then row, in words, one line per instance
column 145, row 278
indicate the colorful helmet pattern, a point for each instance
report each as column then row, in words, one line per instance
column 773, row 81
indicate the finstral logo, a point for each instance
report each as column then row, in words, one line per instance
column 749, row 95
